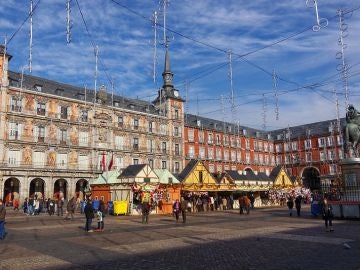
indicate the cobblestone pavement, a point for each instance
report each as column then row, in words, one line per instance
column 265, row 239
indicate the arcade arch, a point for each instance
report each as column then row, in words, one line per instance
column 311, row 178
column 11, row 190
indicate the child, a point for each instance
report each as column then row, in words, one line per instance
column 100, row 220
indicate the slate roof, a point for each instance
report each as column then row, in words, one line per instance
column 69, row 91
column 275, row 172
column 221, row 126
column 132, row 170
column 235, row 175
column 187, row 170
column 317, row 128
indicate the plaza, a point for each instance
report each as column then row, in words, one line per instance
column 266, row 239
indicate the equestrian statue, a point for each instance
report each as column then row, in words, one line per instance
column 352, row 132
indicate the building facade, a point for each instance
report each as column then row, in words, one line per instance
column 224, row 146
column 55, row 138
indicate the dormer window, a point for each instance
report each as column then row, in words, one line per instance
column 116, row 104
column 131, row 106
column 80, row 96
column 59, row 92
column 38, row 87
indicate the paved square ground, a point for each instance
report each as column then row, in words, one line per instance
column 265, row 239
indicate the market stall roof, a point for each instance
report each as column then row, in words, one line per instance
column 109, row 177
column 281, row 178
column 166, row 177
column 138, row 173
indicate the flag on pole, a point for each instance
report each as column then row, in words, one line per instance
column 111, row 162
column 103, row 162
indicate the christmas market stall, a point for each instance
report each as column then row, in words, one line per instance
column 252, row 184
column 199, row 186
column 141, row 184
column 167, row 192
column 284, row 186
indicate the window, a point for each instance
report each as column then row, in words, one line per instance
column 226, row 155
column 120, row 121
column 83, row 162
column 136, row 124
column 176, row 131
column 40, row 134
column 38, row 87
column 226, row 140
column 62, row 161
column 307, row 144
column 286, row 147
column 136, row 143
column 39, row 159
column 176, row 114
column 211, row 153
column 238, row 156
column 294, row 146
column 14, row 129
column 202, row 152
column 201, row 136
column 119, row 163
column 341, row 154
column 15, row 104
column 321, row 142
column 247, row 157
column 308, row 157
column 339, row 140
column 163, row 147
column 151, row 146
column 247, row 144
column 14, row 158
column 201, row 177
column 218, row 154
column 150, row 126
column 332, row 168
column 63, row 136
column 63, row 112
column 135, row 161
column 218, row 139
column 163, row 129
column 331, row 155
column 190, row 135
column 191, row 151
column 177, row 167
column 211, row 168
column 210, row 138
column 83, row 138
column 177, row 149
column 278, row 148
column 84, row 116
column 119, row 142
column 41, row 108
column 163, row 164
column 151, row 163
column 330, row 141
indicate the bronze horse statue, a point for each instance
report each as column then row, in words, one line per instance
column 352, row 131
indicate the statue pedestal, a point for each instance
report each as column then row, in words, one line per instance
column 349, row 206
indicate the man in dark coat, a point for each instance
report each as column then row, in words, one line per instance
column 183, row 207
column 89, row 214
column 298, row 200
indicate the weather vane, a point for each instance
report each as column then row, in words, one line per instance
column 320, row 22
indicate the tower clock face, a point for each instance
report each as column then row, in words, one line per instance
column 176, row 93
column 168, row 77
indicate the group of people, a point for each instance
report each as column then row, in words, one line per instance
column 245, row 203
column 91, row 213
column 290, row 204
column 34, row 206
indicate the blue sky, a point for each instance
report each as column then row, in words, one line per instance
column 201, row 34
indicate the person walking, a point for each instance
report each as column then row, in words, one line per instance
column 183, row 207
column 70, row 209
column 327, row 215
column 26, row 206
column 102, row 211
column 290, row 205
column 2, row 219
column 247, row 204
column 36, row 207
column 145, row 211
column 176, row 209
column 89, row 214
column 16, row 205
column 241, row 204
column 298, row 200
column 60, row 205
column 252, row 200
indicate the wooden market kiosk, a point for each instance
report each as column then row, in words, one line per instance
column 168, row 191
column 141, row 183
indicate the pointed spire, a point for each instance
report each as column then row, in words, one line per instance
column 167, row 74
